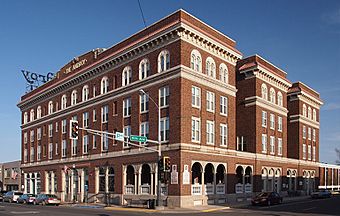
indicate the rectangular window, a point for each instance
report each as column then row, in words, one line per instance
column 195, row 129
column 32, row 154
column 309, row 152
column 50, row 130
column 309, row 133
column 144, row 103
column 25, row 155
column 272, row 121
column 210, row 101
column 224, row 135
column 224, row 105
column 105, row 114
column 50, row 151
column 144, row 129
column 314, row 154
column 195, row 97
column 240, row 143
column 105, row 141
column 279, row 123
column 127, row 107
column 279, row 146
column 115, row 107
column 264, row 143
column 86, row 119
column 304, row 132
column 56, row 127
column 210, row 132
column 264, row 119
column 39, row 152
column 32, row 135
column 164, row 96
column 63, row 126
column 63, row 148
column 85, row 144
column 56, row 149
column 165, row 129
column 74, row 144
column 272, row 145
column 127, row 133
column 25, row 137
column 303, row 151
column 94, row 116
column 314, row 135
column 94, row 142
column 39, row 134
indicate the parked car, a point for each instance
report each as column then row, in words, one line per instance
column 12, row 196
column 267, row 198
column 47, row 199
column 322, row 193
column 2, row 194
column 26, row 198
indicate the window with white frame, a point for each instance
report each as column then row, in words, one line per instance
column 56, row 127
column 50, row 130
column 314, row 135
column 39, row 112
column 32, row 136
column 32, row 154
column 74, row 97
column 164, row 96
column 303, row 151
column 264, row 91
column 25, row 137
column 264, row 143
column 224, row 73
column 25, row 155
column 272, row 95
column 196, row 61
column 272, row 121
column 314, row 153
column 309, row 152
column 85, row 144
column 127, row 133
column 94, row 115
column 304, row 110
column 32, row 115
column 144, row 103
column 144, row 69
column 210, row 101
column 25, row 118
column 85, row 95
column 304, row 132
column 86, row 119
column 223, row 105
column 94, row 91
column 210, row 67
column 105, row 113
column 94, row 141
column 279, row 99
column 163, row 61
column 195, row 129
column 74, row 144
column 105, row 141
column 144, row 129
column 127, row 76
column 39, row 133
column 196, row 97
column 314, row 114
column 309, row 133
column 224, row 135
column 279, row 123
column 50, row 107
column 50, row 150
column 63, row 126
column 63, row 102
column 39, row 153
column 165, row 129
column 210, row 132
column 127, row 107
column 56, row 149
column 104, row 85
column 63, row 148
column 264, row 119
column 309, row 112
column 279, row 146
column 272, row 145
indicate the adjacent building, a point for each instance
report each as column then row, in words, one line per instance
column 10, row 176
column 232, row 126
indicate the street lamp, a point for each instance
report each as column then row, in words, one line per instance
column 159, row 202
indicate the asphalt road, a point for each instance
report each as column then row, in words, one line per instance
column 308, row 207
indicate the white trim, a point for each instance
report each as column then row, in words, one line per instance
column 304, row 120
column 258, row 101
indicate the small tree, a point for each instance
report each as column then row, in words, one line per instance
column 338, row 156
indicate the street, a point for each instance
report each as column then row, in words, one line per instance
column 304, row 207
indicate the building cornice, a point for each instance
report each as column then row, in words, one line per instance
column 258, row 101
column 304, row 120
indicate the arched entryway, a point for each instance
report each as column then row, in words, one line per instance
column 196, row 179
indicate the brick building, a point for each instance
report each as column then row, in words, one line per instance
column 10, row 176
column 224, row 121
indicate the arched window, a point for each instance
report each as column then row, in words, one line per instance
column 264, row 91
column 50, row 107
column 63, row 102
column 224, row 73
column 279, row 99
column 85, row 95
column 74, row 97
column 272, row 95
column 163, row 61
column 196, row 61
column 309, row 112
column 127, row 76
column 104, row 85
column 25, row 117
column 304, row 110
column 32, row 115
column 144, row 69
column 39, row 112
column 314, row 114
column 210, row 67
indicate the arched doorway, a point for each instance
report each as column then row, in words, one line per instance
column 248, row 179
column 209, row 179
column 130, row 180
column 220, row 179
column 196, row 179
column 264, row 179
column 239, row 180
column 146, row 179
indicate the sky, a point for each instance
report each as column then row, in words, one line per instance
column 301, row 37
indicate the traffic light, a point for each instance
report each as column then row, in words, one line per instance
column 74, row 129
column 160, row 165
column 166, row 163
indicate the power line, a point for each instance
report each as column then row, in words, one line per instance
column 141, row 11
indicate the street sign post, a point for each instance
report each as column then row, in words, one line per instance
column 119, row 136
column 138, row 138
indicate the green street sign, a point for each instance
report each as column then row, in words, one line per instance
column 138, row 138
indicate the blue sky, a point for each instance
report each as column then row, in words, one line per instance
column 301, row 37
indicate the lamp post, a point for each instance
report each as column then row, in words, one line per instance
column 159, row 202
